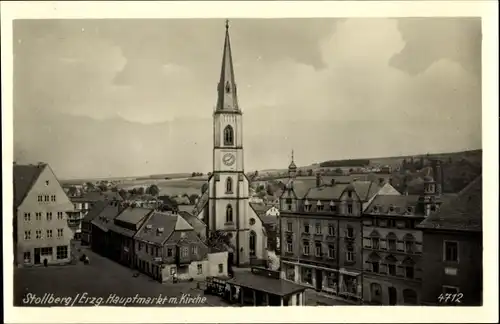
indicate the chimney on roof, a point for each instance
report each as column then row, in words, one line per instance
column 438, row 177
column 332, row 182
column 318, row 180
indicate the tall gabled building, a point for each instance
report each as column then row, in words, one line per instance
column 41, row 207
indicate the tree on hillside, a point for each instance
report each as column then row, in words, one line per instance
column 90, row 186
column 339, row 171
column 114, row 189
column 73, row 191
column 103, row 187
column 310, row 172
column 193, row 174
column 123, row 193
column 140, row 191
column 153, row 190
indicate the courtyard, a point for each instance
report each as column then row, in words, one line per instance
column 101, row 282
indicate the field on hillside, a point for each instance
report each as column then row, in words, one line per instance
column 174, row 187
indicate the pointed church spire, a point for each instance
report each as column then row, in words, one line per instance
column 227, row 100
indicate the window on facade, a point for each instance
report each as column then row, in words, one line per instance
column 40, row 198
column 289, row 246
column 27, row 257
column 200, row 269
column 194, row 250
column 229, row 214
column 169, row 252
column 349, row 256
column 375, row 243
column 318, row 251
column 350, row 232
column 331, row 280
column 289, row 227
column 62, row 252
column 147, row 248
column 318, row 228
column 333, row 208
column 392, row 244
column 38, row 216
column 450, row 251
column 320, row 207
column 60, row 215
column 49, row 233
column 331, row 230
column 307, row 207
column 409, row 247
column 409, row 272
column 290, row 272
column 306, row 228
column 49, row 216
column 53, row 198
column 27, row 217
column 229, row 185
column 228, row 135
column 59, row 232
column 38, row 234
column 307, row 276
column 306, row 248
column 331, row 251
column 184, row 252
column 375, row 267
column 349, row 194
column 46, row 197
column 46, row 251
column 349, row 209
column 252, row 242
column 392, row 269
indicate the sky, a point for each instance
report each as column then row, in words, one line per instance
column 112, row 98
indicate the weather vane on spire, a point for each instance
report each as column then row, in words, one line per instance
column 227, row 24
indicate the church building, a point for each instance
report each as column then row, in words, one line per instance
column 225, row 206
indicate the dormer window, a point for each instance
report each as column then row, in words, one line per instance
column 319, row 206
column 375, row 209
column 391, row 209
column 307, row 205
column 228, row 87
column 409, row 210
column 349, row 194
column 148, row 227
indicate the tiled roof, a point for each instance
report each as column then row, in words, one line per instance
column 270, row 285
column 105, row 218
column 201, row 203
column 194, row 221
column 170, row 223
column 462, row 213
column 269, row 220
column 364, row 189
column 259, row 208
column 95, row 211
column 133, row 215
column 24, row 177
column 382, row 204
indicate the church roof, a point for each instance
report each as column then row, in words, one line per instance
column 227, row 100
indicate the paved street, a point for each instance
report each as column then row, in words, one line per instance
column 102, row 278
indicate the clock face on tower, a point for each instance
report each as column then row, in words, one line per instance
column 228, row 159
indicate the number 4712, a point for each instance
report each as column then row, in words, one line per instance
column 451, row 298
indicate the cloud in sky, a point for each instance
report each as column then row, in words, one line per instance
column 329, row 88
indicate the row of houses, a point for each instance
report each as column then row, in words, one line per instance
column 367, row 242
column 161, row 244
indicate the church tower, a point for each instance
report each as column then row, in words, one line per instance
column 228, row 203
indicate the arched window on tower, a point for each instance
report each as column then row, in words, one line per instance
column 228, row 87
column 229, row 214
column 229, row 185
column 252, row 243
column 228, row 135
